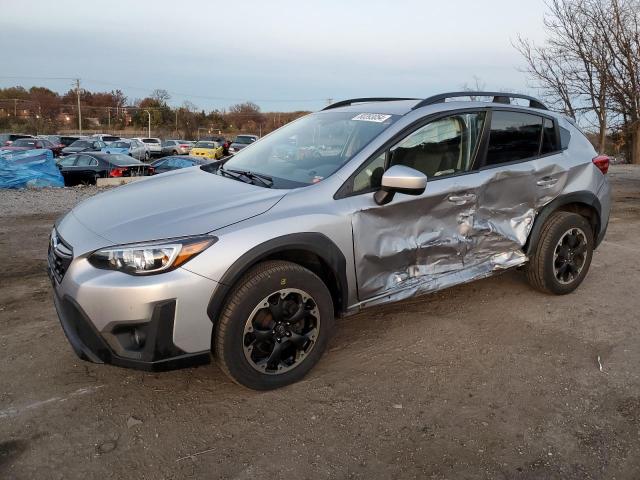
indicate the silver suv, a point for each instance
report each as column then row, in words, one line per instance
column 366, row 202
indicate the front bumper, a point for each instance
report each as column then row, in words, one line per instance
column 155, row 322
column 157, row 353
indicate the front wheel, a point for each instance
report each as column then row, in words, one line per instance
column 275, row 326
column 561, row 259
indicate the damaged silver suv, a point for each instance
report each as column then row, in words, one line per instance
column 369, row 201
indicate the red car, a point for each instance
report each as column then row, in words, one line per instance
column 33, row 143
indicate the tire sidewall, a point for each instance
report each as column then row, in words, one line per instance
column 234, row 358
column 574, row 221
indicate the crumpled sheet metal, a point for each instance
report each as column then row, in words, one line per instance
column 416, row 246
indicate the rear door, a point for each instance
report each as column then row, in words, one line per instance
column 86, row 168
column 521, row 170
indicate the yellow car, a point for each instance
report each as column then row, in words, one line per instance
column 207, row 149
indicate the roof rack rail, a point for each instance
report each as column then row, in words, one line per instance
column 498, row 97
column 344, row 103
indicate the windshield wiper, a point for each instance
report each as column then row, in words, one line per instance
column 232, row 174
column 266, row 180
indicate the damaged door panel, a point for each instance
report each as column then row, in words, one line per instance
column 462, row 228
column 429, row 242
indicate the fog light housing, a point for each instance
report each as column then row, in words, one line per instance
column 138, row 337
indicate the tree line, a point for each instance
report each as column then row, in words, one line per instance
column 589, row 68
column 39, row 110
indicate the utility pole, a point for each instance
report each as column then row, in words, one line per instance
column 149, row 113
column 176, row 134
column 79, row 111
column 15, row 107
column 109, row 117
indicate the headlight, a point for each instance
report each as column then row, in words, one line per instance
column 149, row 258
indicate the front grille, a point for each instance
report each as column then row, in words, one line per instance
column 60, row 255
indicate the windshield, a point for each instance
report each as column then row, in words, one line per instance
column 310, row 149
column 206, row 145
column 243, row 139
column 119, row 145
column 81, row 143
column 150, row 140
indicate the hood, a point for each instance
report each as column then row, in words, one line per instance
column 179, row 203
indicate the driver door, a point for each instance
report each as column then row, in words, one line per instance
column 415, row 243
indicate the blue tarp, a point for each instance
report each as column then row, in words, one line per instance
column 29, row 168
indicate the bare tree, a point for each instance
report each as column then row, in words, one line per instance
column 161, row 96
column 572, row 67
column 617, row 22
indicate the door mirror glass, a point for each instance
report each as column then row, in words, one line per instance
column 402, row 179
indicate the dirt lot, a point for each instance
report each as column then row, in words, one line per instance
column 486, row 380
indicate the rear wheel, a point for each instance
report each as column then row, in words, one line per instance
column 562, row 257
column 146, row 156
column 275, row 326
column 175, row 152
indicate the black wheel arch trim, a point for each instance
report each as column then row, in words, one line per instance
column 584, row 197
column 311, row 242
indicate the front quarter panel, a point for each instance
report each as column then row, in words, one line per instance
column 308, row 210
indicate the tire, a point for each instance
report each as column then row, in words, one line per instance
column 146, row 156
column 277, row 284
column 175, row 152
column 562, row 256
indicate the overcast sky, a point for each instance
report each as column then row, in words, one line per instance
column 281, row 54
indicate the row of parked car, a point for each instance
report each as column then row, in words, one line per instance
column 82, row 160
column 139, row 148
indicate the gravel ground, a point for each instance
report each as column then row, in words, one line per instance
column 488, row 380
column 29, row 201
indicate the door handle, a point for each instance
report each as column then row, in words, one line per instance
column 547, row 182
column 462, row 199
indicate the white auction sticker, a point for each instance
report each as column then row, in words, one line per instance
column 371, row 117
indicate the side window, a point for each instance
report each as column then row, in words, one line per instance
column 68, row 161
column 514, row 136
column 549, row 138
column 443, row 147
column 369, row 178
column 86, row 161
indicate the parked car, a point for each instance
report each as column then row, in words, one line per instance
column 78, row 146
column 240, row 142
column 33, row 143
column 154, row 145
column 224, row 143
column 67, row 140
column 252, row 258
column 176, row 147
column 133, row 148
column 87, row 167
column 52, row 138
column 103, row 137
column 7, row 139
column 207, row 149
column 167, row 164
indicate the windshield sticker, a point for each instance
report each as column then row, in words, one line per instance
column 371, row 117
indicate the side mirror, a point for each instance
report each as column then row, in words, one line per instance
column 400, row 179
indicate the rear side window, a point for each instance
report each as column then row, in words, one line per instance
column 549, row 137
column 514, row 136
